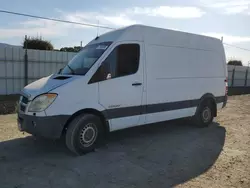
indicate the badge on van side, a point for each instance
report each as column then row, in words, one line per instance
column 114, row 106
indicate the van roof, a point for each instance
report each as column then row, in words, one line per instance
column 160, row 36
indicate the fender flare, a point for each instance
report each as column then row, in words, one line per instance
column 99, row 114
column 207, row 96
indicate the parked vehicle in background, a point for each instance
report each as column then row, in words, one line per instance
column 128, row 77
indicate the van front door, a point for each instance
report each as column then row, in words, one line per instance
column 121, row 85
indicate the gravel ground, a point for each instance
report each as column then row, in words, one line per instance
column 160, row 155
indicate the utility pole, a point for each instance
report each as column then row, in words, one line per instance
column 26, row 62
column 97, row 28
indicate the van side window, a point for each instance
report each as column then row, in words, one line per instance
column 122, row 61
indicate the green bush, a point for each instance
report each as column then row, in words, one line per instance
column 71, row 49
column 235, row 62
column 37, row 43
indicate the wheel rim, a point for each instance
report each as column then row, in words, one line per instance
column 206, row 115
column 88, row 134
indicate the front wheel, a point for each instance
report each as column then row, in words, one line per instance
column 204, row 115
column 84, row 133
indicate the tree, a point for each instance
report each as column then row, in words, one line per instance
column 71, row 49
column 37, row 43
column 235, row 62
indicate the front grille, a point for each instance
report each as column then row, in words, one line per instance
column 23, row 102
column 22, row 108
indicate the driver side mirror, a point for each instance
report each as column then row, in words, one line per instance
column 108, row 76
column 102, row 73
column 105, row 70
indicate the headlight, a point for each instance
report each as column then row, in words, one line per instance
column 42, row 102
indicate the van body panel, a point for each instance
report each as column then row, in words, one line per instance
column 72, row 100
column 130, row 33
column 126, row 122
column 46, row 84
column 182, row 66
column 119, row 93
column 171, row 38
column 170, row 115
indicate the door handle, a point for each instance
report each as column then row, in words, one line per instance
column 137, row 84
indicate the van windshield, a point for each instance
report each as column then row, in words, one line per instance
column 85, row 59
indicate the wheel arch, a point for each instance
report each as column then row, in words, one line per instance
column 88, row 111
column 208, row 97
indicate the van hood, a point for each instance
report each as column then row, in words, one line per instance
column 46, row 84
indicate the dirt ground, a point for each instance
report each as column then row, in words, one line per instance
column 160, row 155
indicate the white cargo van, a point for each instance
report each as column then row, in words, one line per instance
column 128, row 77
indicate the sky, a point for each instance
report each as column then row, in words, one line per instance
column 216, row 18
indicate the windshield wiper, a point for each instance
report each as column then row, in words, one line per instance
column 72, row 70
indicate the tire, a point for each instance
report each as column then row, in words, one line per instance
column 84, row 134
column 205, row 114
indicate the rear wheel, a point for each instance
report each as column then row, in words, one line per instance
column 205, row 114
column 84, row 134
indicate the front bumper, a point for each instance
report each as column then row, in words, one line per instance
column 45, row 126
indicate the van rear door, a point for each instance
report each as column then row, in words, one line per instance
column 121, row 90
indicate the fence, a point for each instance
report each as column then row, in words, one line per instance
column 238, row 76
column 15, row 71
